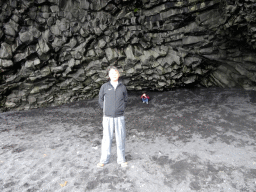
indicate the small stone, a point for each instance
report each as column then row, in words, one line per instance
column 6, row 63
column 29, row 64
column 26, row 37
column 5, row 51
column 54, row 8
column 10, row 104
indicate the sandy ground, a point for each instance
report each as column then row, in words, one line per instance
column 183, row 140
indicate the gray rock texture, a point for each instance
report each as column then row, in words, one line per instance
column 54, row 51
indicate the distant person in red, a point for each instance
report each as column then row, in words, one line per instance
column 144, row 98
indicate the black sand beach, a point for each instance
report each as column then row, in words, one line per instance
column 183, row 140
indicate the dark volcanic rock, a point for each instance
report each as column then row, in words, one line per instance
column 157, row 45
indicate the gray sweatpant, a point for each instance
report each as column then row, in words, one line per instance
column 109, row 123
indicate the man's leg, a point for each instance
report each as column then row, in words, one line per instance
column 120, row 138
column 108, row 127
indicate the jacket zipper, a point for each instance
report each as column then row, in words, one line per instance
column 115, row 96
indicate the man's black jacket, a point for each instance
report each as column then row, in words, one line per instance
column 113, row 101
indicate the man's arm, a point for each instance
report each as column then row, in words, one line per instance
column 101, row 97
column 125, row 97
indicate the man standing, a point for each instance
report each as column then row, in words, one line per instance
column 112, row 99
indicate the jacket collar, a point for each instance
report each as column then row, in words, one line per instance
column 119, row 82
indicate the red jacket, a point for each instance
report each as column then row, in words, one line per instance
column 144, row 97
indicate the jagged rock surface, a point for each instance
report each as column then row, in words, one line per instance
column 55, row 51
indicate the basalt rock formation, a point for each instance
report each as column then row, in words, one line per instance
column 57, row 51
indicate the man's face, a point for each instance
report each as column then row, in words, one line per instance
column 113, row 75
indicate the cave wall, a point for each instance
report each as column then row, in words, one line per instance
column 57, row 51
